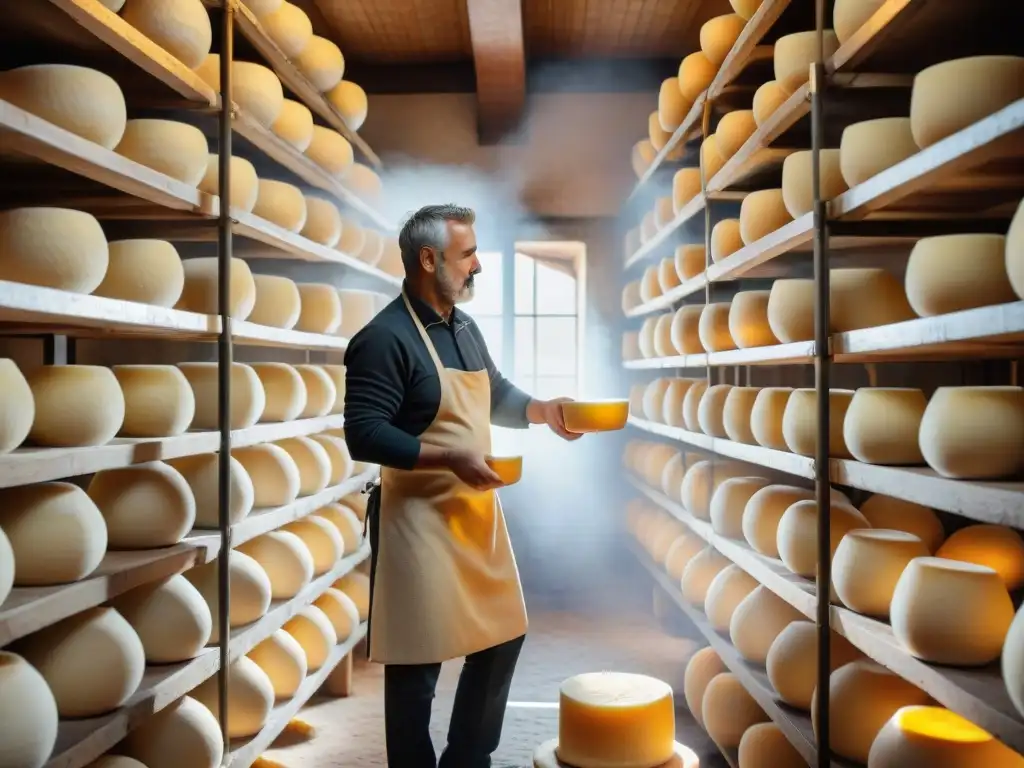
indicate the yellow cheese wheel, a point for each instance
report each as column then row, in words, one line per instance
column 685, row 187
column 729, row 502
column 800, row 422
column 766, row 416
column 757, row 621
column 726, row 591
column 691, row 405
column 321, row 393
column 615, row 719
column 248, row 584
column 284, row 557
column 733, row 131
column 17, row 408
column 765, row 746
column 52, row 247
column 145, row 271
column 650, row 286
column 357, row 586
column 294, row 124
column 748, row 320
column 668, row 278
column 739, row 404
column 202, row 473
column 761, row 213
column 663, row 336
column 672, row 106
column 29, row 728
column 289, row 27
column 762, row 514
column 1015, row 251
column 248, row 398
column 658, row 136
column 718, row 35
column 322, row 539
column 321, row 309
column 341, row 465
column 340, row 611
column 145, row 506
column 75, row 406
column 200, row 293
column 275, row 475
column 700, row 572
column 767, row 99
column 176, row 149
column 350, row 101
column 867, row 565
column 282, row 204
column 330, row 150
column 711, row 411
column 358, row 308
column 798, row 180
column 713, row 328
column 899, row 515
column 689, row 260
column 283, row 661
column 870, row 147
column 696, row 71
column 323, row 221
column 728, row 710
column 672, row 402
column 285, row 391
column 957, row 272
column 250, row 697
column 663, row 213
column 680, row 553
column 745, row 9
column 725, row 239
column 974, row 432
column 933, row 588
column 866, row 298
column 995, row 546
column 312, row 461
column 949, row 96
column 794, row 55
column 181, row 27
column 701, row 669
column 321, row 62
column 791, row 310
column 363, row 182
column 184, row 733
column 711, row 158
column 882, row 424
column 170, row 617
column 797, row 534
column 850, row 15
column 792, row 662
column 255, row 88
column 277, row 304
column 158, row 400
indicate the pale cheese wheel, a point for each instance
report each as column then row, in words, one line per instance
column 719, row 34
column 289, row 27
column 791, row 310
column 321, row 62
column 792, row 661
column 765, row 746
column 372, row 249
column 671, row 480
column 28, row 729
column 320, row 390
column 701, row 669
column 672, row 402
column 700, row 483
column 658, row 136
column 250, row 697
column 684, row 330
column 696, row 71
column 711, row 411
column 729, row 502
column 244, row 185
column 278, row 303
column 358, row 308
column 641, row 157
column 663, row 336
column 337, row 376
column 255, row 88
column 363, row 181
column 158, row 400
column 650, row 286
column 867, row 565
column 93, row 661
column 686, row 185
column 341, row 464
column 672, row 107
column 636, row 400
column 82, row 101
column 330, row 150
column 748, row 320
column 690, row 260
column 248, row 584
column 745, row 9
column 17, row 408
column 631, row 295
column 357, row 586
column 283, row 661
column 654, row 399
column 184, row 733
column 275, row 475
column 294, row 124
column 202, row 473
column 795, row 53
column 949, row 96
column 322, row 539
column 766, row 417
column 850, row 15
column 391, row 259
column 180, row 27
column 798, row 180
column 351, row 102
column 881, row 425
column 646, row 337
column 797, row 534
column 762, row 514
column 1012, row 662
column 340, row 611
column 55, row 534
column 248, row 398
column 713, row 328
column 53, row 248
column 1015, row 251
column 315, row 633
column 144, row 271
column 974, row 432
column 761, row 213
column 200, row 293
column 170, row 617
column 6, row 568
column 286, row 560
column 725, row 239
column 711, row 158
column 663, row 212
column 933, row 588
column 648, row 227
column 728, row 710
column 767, row 99
column 691, row 405
column 995, row 546
column 957, row 272
column 899, row 515
column 282, row 204
column 636, row 715
column 668, row 278
column 145, row 506
column 175, row 149
column 800, row 422
column 681, row 552
column 75, row 406
column 700, row 572
column 872, row 146
column 757, row 621
column 733, row 131
column 311, row 460
column 726, row 591
column 285, row 391
column 866, row 298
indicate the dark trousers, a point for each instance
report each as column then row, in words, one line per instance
column 477, row 715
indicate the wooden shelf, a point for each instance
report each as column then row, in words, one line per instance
column 796, row 353
column 691, row 209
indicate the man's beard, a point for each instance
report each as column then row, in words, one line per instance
column 452, row 292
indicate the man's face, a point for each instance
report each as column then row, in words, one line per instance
column 458, row 266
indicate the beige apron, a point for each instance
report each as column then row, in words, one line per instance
column 445, row 581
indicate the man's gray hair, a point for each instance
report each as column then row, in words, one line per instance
column 428, row 228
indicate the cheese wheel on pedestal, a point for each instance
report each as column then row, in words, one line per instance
column 672, row 402
column 312, row 461
column 700, row 483
column 729, row 502
column 54, row 534
column 282, row 204
column 995, row 546
column 200, row 292
column 315, row 634
column 733, row 131
column 791, row 310
column 75, row 406
column 739, row 404
column 745, row 8
column 800, row 422
column 17, row 408
column 248, row 398
column 348, row 524
column 949, row 96
column 275, row 475
column 795, row 53
column 93, row 661
column 28, row 728
column 672, row 107
column 792, row 662
column 685, row 330
column 615, row 718
column 248, row 585
column 170, row 617
column 255, row 88
column 797, row 534
column 158, row 400
column 663, row 336
column 933, row 588
column 321, row 393
column 767, row 99
column 700, row 572
column 766, row 416
column 285, row 391
column 321, row 62
column 653, row 399
column 867, row 565
column 323, row 222
column 286, row 560
column 696, row 72
column 957, row 272
column 145, row 506
column 145, row 271
column 882, row 424
column 176, row 149
column 711, row 411
column 725, row 239
column 53, row 248
column 680, row 553
column 766, row 508
column 748, row 320
column 278, row 303
column 183, row 734
column 765, row 746
column 759, row 618
column 872, row 146
column 650, row 285
column 294, row 124
column 357, row 586
column 322, row 539
column 728, row 710
column 180, row 27
column 691, row 405
column 701, row 669
column 798, row 180
column 350, row 100
column 82, row 101
column 726, row 591
column 283, row 661
column 761, row 213
column 866, row 298
column 850, row 15
column 341, row 611
column 685, row 187
column 689, row 261
column 899, row 515
column 250, row 697
column 330, row 150
column 974, row 432
column 289, row 27
column 711, row 159
column 202, row 473
column 641, row 157
column 713, row 328
column 341, row 465
column 668, row 278
column 718, row 35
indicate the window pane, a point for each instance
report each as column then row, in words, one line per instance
column 489, row 290
column 525, row 346
column 490, row 329
column 561, row 386
column 556, row 346
column 556, row 291
column 524, row 284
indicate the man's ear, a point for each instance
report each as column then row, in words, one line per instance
column 428, row 259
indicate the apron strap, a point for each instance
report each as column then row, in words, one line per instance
column 423, row 333
column 371, row 530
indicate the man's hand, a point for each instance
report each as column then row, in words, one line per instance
column 472, row 469
column 550, row 412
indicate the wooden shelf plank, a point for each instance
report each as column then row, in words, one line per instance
column 691, row 209
column 688, row 129
column 746, row 44
column 786, row 238
column 666, row 300
column 665, row 363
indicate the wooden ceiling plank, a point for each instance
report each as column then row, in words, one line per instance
column 499, row 57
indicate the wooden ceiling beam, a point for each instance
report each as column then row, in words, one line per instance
column 499, row 58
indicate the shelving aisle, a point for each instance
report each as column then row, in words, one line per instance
column 893, row 284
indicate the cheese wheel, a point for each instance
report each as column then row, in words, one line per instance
column 323, row 222
column 933, row 588
column 761, row 213
column 641, row 157
column 1012, row 662
column 170, row 617
column 321, row 309
column 701, row 669
column 176, row 149
column 689, row 261
column 899, row 515
column 53, row 248
column 658, row 136
column 250, row 697
column 282, row 204
column 739, row 404
column 321, row 393
column 1015, row 251
column 680, row 552
column 994, row 546
column 733, row 131
column 184, row 733
column 648, row 227
column 283, row 662
column 762, row 514
column 294, row 124
column 330, row 150
column 180, row 27
column 791, row 310
column 82, row 101
column 713, row 328
column 850, row 15
column 28, row 729
column 728, row 710
column 949, row 96
column 718, row 35
column 797, row 534
column 289, row 27
column 711, row 411
column 247, row 395
column 145, row 271
column 200, row 293
column 672, row 402
column 145, row 506
column 729, row 502
column 286, row 560
column 372, row 249
column 866, row 298
column 726, row 591
column 311, row 460
column 725, row 239
column 350, row 101
column 285, row 391
column 800, row 422
column 357, row 586
column 872, row 146
column 672, row 108
column 363, row 182
column 278, row 303
column 158, row 400
column 798, row 180
column 686, row 186
column 700, row 572
column 745, row 9
column 748, row 320
column 93, row 661
column 608, row 719
column 957, row 272
column 6, row 568
column 758, row 619
column 54, row 534
column 313, row 630
column 711, row 158
column 867, row 565
column 341, row 465
column 765, row 746
column 700, row 483
column 75, row 406
column 249, row 588
column 696, row 71
column 336, row 373
column 792, row 662
column 882, row 424
column 322, row 539
column 631, row 295
column 794, row 55
column 391, row 259
column 202, row 473
column 650, row 286
column 255, row 88
column 973, row 432
column 663, row 213
column 275, row 475
column 17, row 408
column 671, row 480
column 646, row 337
column 636, row 400
column 321, row 62
column 691, row 405
column 654, row 399
column 358, row 308
column 766, row 417
column 767, row 99
column 340, row 611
